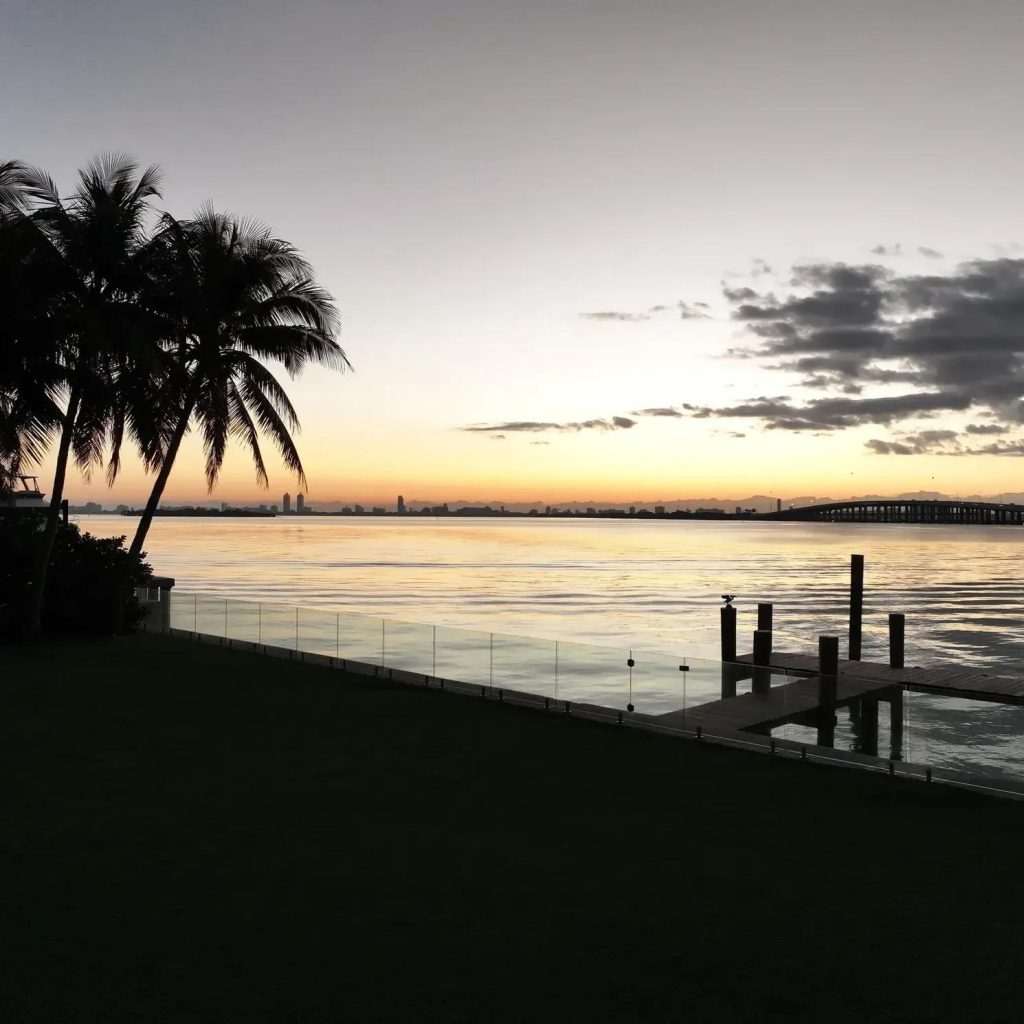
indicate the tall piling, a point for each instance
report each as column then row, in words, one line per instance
column 764, row 617
column 856, row 605
column 897, row 631
column 762, row 661
column 828, row 689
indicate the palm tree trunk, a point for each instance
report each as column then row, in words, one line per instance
column 34, row 623
column 146, row 520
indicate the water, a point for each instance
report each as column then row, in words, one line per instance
column 652, row 586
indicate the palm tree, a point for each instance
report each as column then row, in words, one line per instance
column 93, row 244
column 28, row 412
column 232, row 296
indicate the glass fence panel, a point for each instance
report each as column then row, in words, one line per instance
column 317, row 632
column 465, row 655
column 210, row 615
column 657, row 684
column 360, row 638
column 524, row 664
column 277, row 625
column 243, row 621
column 592, row 675
column 410, row 646
column 183, row 611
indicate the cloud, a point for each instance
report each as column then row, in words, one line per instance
column 952, row 341
column 687, row 311
column 497, row 437
column 932, row 254
column 887, row 250
column 540, row 442
column 615, row 315
column 986, row 428
column 693, row 310
column 664, row 410
column 535, row 426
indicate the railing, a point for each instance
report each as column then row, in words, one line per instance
column 663, row 691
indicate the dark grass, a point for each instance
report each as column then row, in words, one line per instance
column 195, row 834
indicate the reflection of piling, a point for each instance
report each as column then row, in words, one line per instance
column 896, row 723
column 869, row 726
column 897, row 627
column 828, row 688
column 762, row 660
column 856, row 604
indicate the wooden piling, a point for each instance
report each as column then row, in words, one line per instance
column 728, row 614
column 897, row 629
column 762, row 661
column 764, row 617
column 856, row 604
column 828, row 686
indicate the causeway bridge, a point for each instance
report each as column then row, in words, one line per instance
column 948, row 512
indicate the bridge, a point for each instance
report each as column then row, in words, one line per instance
column 959, row 513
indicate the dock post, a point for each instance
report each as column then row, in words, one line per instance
column 828, row 689
column 730, row 671
column 728, row 614
column 764, row 617
column 897, row 628
column 762, row 661
column 856, row 604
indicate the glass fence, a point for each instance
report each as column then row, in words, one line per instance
column 867, row 720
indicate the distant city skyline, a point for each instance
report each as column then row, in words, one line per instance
column 588, row 250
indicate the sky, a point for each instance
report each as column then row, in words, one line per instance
column 540, row 218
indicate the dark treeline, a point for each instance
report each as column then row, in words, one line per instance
column 125, row 326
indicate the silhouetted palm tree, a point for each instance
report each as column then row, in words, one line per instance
column 231, row 295
column 92, row 244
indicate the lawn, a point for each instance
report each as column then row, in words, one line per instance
column 191, row 833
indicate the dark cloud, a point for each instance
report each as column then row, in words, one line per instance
column 536, row 426
column 887, row 250
column 612, row 314
column 952, row 341
column 497, row 437
column 943, row 442
column 932, row 254
column 987, row 428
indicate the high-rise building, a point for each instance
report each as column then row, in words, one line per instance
column 778, row 504
column 286, row 503
column 300, row 503
column 401, row 505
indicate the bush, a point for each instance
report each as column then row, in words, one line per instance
column 80, row 586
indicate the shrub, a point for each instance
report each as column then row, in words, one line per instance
column 81, row 583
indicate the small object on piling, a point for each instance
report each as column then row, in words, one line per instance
column 700, row 733
column 629, row 707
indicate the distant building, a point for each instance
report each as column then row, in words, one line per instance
column 380, row 511
column 401, row 505
column 286, row 503
column 659, row 510
column 359, row 510
column 632, row 510
column 300, row 504
column 778, row 504
column 591, row 511
column 223, row 506
column 273, row 508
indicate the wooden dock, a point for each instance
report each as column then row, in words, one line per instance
column 949, row 682
column 795, row 701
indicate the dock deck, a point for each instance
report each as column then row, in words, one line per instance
column 950, row 682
